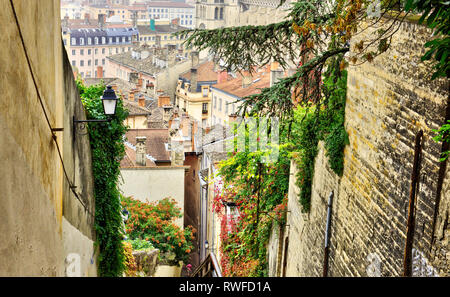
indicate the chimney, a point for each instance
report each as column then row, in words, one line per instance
column 163, row 100
column 275, row 73
column 134, row 76
column 177, row 152
column 193, row 80
column 167, row 112
column 99, row 72
column 101, row 21
column 246, row 79
column 141, row 101
column 141, row 151
column 171, row 58
column 194, row 58
column 134, row 18
column 66, row 22
column 131, row 95
column 222, row 76
column 86, row 18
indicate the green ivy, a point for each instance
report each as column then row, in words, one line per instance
column 325, row 123
column 443, row 134
column 107, row 149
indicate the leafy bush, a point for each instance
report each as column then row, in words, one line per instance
column 107, row 150
column 153, row 222
column 140, row 244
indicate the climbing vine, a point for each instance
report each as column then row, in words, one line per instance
column 107, row 150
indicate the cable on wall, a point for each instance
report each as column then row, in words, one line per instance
column 52, row 130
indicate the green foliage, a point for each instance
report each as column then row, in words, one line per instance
column 152, row 224
column 327, row 123
column 107, row 150
column 444, row 136
column 436, row 14
column 260, row 191
column 140, row 244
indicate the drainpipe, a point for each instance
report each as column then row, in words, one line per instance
column 327, row 237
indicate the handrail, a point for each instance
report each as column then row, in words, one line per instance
column 208, row 268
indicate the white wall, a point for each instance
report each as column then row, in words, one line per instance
column 151, row 184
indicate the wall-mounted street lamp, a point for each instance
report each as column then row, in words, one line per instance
column 206, row 245
column 109, row 102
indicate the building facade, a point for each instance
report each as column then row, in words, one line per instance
column 88, row 48
column 172, row 10
column 212, row 14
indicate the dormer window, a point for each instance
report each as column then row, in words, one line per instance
column 89, row 40
column 205, row 91
column 81, row 41
column 74, row 41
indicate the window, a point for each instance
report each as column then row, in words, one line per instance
column 103, row 61
column 73, row 41
column 103, row 40
column 89, row 62
column 96, row 62
column 226, row 108
column 74, row 52
column 110, row 40
column 96, row 40
column 96, row 51
column 220, row 104
column 81, row 41
column 205, row 92
column 215, row 102
column 205, row 108
column 74, row 63
column 89, row 51
column 82, row 52
column 103, row 51
column 89, row 40
column 82, row 63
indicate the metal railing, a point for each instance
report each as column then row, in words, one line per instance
column 208, row 268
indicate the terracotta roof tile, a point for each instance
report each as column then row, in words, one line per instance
column 156, row 140
column 234, row 87
column 205, row 72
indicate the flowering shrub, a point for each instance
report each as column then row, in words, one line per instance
column 153, row 222
column 130, row 263
column 260, row 192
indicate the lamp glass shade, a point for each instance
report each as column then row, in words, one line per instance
column 109, row 105
column 109, row 100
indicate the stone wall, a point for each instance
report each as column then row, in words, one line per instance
column 388, row 102
column 41, row 220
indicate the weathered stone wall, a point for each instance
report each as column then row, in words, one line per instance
column 306, row 231
column 40, row 218
column 146, row 261
column 388, row 102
